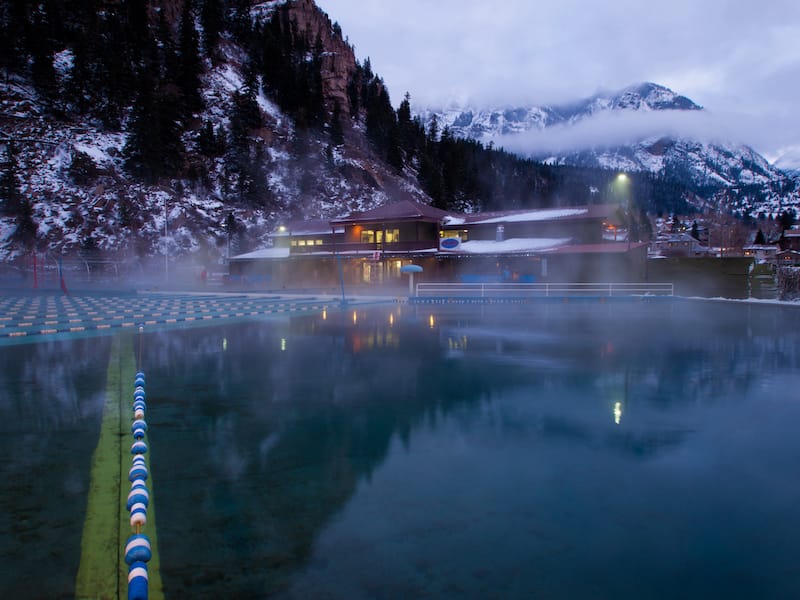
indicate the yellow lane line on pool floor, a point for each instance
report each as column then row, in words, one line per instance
column 102, row 572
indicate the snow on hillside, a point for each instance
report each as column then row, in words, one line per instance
column 122, row 217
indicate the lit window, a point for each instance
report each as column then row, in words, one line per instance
column 368, row 237
column 460, row 234
column 294, row 242
column 318, row 242
column 301, row 243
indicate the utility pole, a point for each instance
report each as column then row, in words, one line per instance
column 166, row 244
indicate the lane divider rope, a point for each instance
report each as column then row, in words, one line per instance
column 138, row 550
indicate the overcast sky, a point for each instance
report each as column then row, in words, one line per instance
column 739, row 59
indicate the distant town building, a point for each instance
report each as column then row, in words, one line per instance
column 676, row 244
column 763, row 253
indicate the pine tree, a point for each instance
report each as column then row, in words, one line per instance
column 190, row 66
column 13, row 34
column 154, row 148
column 337, row 133
column 26, row 230
column 10, row 195
column 14, row 203
column 212, row 19
column 42, row 71
column 787, row 219
column 405, row 126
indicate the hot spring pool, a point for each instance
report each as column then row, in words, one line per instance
column 551, row 450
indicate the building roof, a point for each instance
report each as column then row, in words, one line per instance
column 762, row 247
column 275, row 252
column 404, row 210
column 305, row 227
column 509, row 246
column 676, row 238
column 566, row 213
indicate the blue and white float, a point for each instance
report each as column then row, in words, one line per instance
column 137, row 581
column 138, row 495
column 138, row 429
column 137, row 471
column 137, row 549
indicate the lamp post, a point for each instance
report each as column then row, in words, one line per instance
column 166, row 243
column 624, row 189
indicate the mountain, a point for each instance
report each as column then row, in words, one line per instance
column 632, row 130
column 489, row 124
column 132, row 130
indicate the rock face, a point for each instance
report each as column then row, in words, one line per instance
column 338, row 59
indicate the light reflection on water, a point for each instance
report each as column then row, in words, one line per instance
column 582, row 450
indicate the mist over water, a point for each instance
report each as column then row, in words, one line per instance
column 556, row 449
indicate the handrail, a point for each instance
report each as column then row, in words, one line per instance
column 544, row 290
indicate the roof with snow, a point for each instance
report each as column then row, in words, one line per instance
column 305, row 227
column 511, row 246
column 263, row 253
column 598, row 211
column 404, row 210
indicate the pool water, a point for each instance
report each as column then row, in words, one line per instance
column 551, row 450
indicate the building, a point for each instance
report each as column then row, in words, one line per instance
column 763, row 253
column 369, row 248
column 790, row 239
column 676, row 244
column 788, row 258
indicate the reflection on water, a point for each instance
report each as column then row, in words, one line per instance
column 51, row 400
column 556, row 450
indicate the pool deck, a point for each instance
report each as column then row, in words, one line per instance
column 23, row 315
column 28, row 315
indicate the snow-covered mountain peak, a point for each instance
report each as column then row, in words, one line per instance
column 644, row 127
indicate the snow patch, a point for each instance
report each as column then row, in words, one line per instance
column 536, row 215
column 513, row 245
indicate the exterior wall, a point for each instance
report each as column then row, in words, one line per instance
column 790, row 258
column 487, row 269
column 587, row 231
column 621, row 267
column 790, row 241
column 324, row 272
column 412, row 231
column 257, row 273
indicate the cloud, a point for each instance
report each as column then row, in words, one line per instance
column 731, row 56
column 609, row 129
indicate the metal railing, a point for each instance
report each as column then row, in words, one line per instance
column 542, row 290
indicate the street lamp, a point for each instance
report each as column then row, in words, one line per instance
column 624, row 190
column 166, row 243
